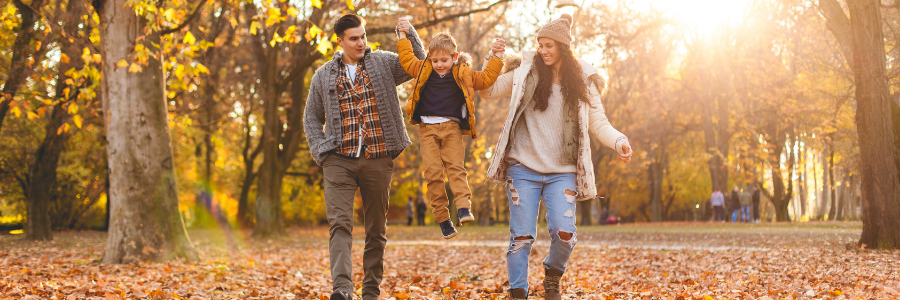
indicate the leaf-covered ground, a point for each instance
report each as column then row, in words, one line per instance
column 659, row 261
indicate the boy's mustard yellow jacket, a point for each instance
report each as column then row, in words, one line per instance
column 469, row 81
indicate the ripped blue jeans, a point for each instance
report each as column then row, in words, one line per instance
column 525, row 188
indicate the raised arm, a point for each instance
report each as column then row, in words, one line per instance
column 400, row 75
column 314, row 119
column 408, row 60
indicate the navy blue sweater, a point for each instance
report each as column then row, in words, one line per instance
column 441, row 97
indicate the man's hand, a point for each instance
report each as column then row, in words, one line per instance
column 499, row 46
column 403, row 27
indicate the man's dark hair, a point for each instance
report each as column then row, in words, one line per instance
column 346, row 22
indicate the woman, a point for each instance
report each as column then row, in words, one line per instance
column 544, row 149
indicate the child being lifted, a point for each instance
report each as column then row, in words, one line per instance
column 442, row 103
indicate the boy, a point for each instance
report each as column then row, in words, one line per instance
column 442, row 103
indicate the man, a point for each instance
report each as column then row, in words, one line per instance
column 355, row 129
column 421, row 207
column 734, row 204
column 755, row 202
column 409, row 210
column 746, row 201
column 717, row 200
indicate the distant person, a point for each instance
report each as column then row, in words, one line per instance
column 421, row 207
column 718, row 205
column 604, row 216
column 755, row 204
column 734, row 204
column 746, row 201
column 410, row 206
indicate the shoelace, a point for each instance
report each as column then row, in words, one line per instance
column 552, row 283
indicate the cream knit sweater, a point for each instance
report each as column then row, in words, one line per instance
column 539, row 139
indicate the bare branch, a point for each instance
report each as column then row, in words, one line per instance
column 427, row 24
column 186, row 22
column 839, row 25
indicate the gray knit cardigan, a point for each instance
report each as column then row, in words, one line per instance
column 322, row 117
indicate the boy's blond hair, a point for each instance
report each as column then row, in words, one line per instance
column 442, row 41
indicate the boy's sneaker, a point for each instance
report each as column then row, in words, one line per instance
column 447, row 229
column 464, row 215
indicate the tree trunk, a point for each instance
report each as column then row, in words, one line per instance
column 854, row 196
column 42, row 172
column 842, row 197
column 880, row 181
column 654, row 173
column 804, row 190
column 781, row 195
column 826, row 185
column 656, row 169
column 815, row 190
column 18, row 69
column 42, row 176
column 145, row 223
column 585, row 207
column 832, row 211
column 269, row 215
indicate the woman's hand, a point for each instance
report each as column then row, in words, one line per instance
column 499, row 46
column 624, row 149
column 403, row 27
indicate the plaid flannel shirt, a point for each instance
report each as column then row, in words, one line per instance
column 359, row 115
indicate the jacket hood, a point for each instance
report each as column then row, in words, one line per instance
column 464, row 58
column 511, row 62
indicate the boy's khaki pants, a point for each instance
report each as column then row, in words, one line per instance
column 442, row 150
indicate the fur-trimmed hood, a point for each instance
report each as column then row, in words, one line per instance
column 464, row 58
column 511, row 62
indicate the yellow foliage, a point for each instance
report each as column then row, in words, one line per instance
column 254, row 26
column 135, row 68
column 189, row 38
column 324, row 46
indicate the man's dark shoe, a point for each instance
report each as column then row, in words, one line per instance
column 340, row 295
column 518, row 293
column 464, row 215
column 447, row 229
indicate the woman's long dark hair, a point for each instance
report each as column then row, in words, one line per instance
column 573, row 87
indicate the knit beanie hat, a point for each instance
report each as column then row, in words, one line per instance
column 560, row 30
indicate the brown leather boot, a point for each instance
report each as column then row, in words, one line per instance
column 551, row 284
column 518, row 293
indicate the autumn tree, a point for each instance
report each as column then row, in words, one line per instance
column 145, row 223
column 874, row 117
